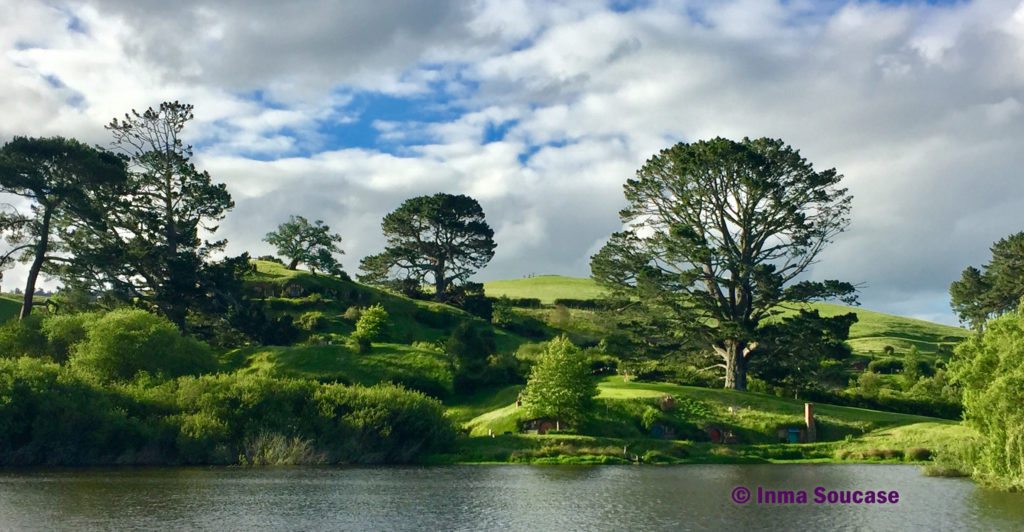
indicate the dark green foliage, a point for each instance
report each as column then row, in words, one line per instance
column 440, row 240
column 22, row 338
column 583, row 304
column 48, row 416
column 803, row 351
column 720, row 231
column 149, row 246
column 307, row 243
column 469, row 347
column 59, row 177
column 51, row 416
column 383, row 423
column 522, row 302
column 994, row 289
column 125, row 342
column 886, row 366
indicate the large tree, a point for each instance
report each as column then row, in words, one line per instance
column 56, row 176
column 718, row 235
column 440, row 239
column 994, row 289
column 152, row 248
column 306, row 243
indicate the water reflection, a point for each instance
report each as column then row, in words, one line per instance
column 490, row 497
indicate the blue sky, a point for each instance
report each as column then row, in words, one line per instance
column 542, row 109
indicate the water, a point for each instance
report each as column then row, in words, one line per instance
column 489, row 498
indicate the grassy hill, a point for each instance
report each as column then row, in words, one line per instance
column 546, row 288
column 9, row 307
column 845, row 433
column 872, row 332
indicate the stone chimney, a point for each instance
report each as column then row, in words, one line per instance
column 812, row 432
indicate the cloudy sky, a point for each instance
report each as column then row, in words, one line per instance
column 542, row 109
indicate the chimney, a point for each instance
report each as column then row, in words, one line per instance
column 812, row 433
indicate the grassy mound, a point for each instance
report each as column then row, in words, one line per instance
column 419, row 368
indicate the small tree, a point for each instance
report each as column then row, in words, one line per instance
column 560, row 385
column 307, row 243
column 372, row 324
column 469, row 347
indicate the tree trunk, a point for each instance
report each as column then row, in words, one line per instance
column 293, row 264
column 37, row 265
column 734, row 353
column 440, row 287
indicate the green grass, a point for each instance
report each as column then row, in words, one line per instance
column 845, row 433
column 546, row 288
column 463, row 409
column 10, row 306
column 423, row 369
column 410, row 320
column 872, row 332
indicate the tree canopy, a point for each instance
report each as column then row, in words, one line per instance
column 152, row 247
column 441, row 239
column 306, row 243
column 560, row 384
column 996, row 288
column 57, row 175
column 718, row 235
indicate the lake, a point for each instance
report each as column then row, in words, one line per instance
column 506, row 497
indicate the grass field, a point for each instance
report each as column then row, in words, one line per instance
column 546, row 288
column 872, row 332
column 9, row 307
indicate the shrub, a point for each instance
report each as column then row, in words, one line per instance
column 372, row 324
column 502, row 314
column 382, row 423
column 22, row 338
column 65, row 331
column 869, row 384
column 312, row 321
column 125, row 342
column 888, row 366
column 352, row 313
column 468, row 347
column 559, row 317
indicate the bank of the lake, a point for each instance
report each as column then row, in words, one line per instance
column 695, row 497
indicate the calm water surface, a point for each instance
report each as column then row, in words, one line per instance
column 490, row 498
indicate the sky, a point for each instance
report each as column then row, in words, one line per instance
column 340, row 110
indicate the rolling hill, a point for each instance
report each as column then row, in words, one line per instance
column 869, row 336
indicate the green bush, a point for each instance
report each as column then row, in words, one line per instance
column 887, row 366
column 22, row 338
column 64, row 331
column 990, row 368
column 372, row 324
column 312, row 321
column 352, row 313
column 125, row 342
column 383, row 423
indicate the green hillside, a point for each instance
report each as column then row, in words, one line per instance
column 9, row 307
column 408, row 354
column 872, row 332
column 546, row 288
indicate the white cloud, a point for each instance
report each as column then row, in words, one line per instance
column 918, row 105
